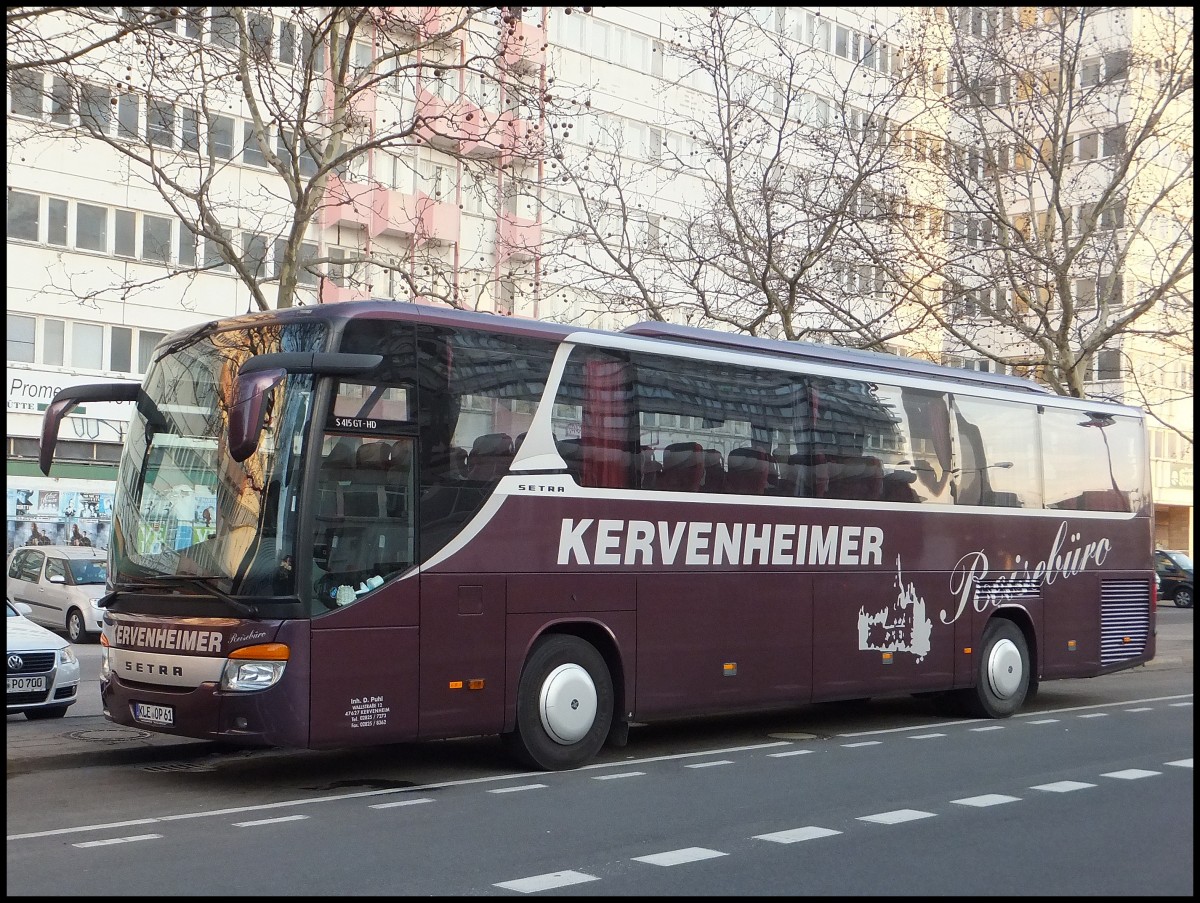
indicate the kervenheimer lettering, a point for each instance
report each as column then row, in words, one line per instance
column 611, row 543
column 169, row 638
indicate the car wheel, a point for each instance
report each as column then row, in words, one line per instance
column 76, row 629
column 1003, row 672
column 56, row 711
column 1182, row 597
column 564, row 704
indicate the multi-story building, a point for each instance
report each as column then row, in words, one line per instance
column 537, row 134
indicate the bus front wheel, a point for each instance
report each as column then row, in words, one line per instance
column 564, row 704
column 1003, row 673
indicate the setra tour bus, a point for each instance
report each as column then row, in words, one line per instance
column 377, row 522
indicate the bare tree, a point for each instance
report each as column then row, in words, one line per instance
column 763, row 205
column 373, row 121
column 1068, row 175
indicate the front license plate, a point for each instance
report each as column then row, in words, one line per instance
column 26, row 684
column 153, row 714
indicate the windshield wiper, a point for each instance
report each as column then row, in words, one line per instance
column 200, row 581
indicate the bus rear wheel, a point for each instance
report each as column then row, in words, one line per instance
column 1003, row 674
column 564, row 704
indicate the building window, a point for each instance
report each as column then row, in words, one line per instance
column 26, row 91
column 160, row 124
column 60, row 102
column 87, row 346
column 20, row 338
column 252, row 154
column 305, row 274
column 127, row 116
column 146, row 343
column 190, row 130
column 1108, row 364
column 125, row 233
column 261, row 30
column 254, row 253
column 120, row 353
column 95, row 109
column 54, row 342
column 156, row 238
column 23, row 211
column 212, row 255
column 220, row 138
column 91, row 227
column 56, row 222
column 186, row 255
column 224, row 27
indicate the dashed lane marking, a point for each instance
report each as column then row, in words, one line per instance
column 549, row 881
column 1062, row 786
column 896, row 817
column 795, row 835
column 987, row 799
column 679, row 857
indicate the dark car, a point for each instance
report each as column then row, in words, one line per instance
column 1174, row 571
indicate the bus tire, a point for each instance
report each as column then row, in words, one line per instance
column 564, row 704
column 1003, row 673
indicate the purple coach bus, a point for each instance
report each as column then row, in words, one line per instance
column 379, row 522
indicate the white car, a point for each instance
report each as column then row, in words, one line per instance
column 43, row 672
column 61, row 585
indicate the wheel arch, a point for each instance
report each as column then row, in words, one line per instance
column 600, row 637
column 1023, row 620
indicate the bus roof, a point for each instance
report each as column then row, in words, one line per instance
column 873, row 361
column 831, row 355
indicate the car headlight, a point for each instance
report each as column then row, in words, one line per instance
column 66, row 656
column 254, row 667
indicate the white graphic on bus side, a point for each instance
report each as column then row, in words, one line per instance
column 900, row 626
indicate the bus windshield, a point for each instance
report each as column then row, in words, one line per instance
column 185, row 510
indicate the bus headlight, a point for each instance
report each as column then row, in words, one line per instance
column 254, row 667
column 105, row 661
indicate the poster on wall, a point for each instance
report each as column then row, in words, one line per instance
column 58, row 517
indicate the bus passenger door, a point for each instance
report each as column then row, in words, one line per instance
column 365, row 650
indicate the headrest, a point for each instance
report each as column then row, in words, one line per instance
column 493, row 444
column 747, row 459
column 341, row 455
column 682, row 454
column 374, row 456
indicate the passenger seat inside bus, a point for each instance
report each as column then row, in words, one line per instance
column 648, row 468
column 796, row 476
column 848, row 477
column 490, row 456
column 683, row 467
column 749, row 469
column 714, row 471
column 571, row 452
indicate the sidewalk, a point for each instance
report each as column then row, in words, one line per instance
column 88, row 740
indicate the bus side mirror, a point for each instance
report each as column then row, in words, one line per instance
column 247, row 413
column 66, row 399
column 261, row 373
